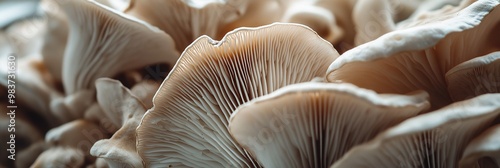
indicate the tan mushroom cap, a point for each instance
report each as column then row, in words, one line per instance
column 186, row 20
column 418, row 58
column 483, row 151
column 103, row 42
column 314, row 124
column 436, row 139
column 123, row 109
column 60, row 157
column 187, row 125
column 79, row 134
column 474, row 77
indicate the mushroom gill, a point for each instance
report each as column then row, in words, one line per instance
column 187, row 125
column 474, row 77
column 417, row 58
column 483, row 151
column 186, row 20
column 435, row 139
column 103, row 42
column 314, row 124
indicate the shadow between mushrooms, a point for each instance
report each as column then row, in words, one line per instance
column 187, row 125
column 435, row 139
column 314, row 124
column 186, row 20
column 418, row 58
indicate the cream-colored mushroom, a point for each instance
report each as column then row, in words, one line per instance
column 187, row 125
column 109, row 43
column 435, row 139
column 474, row 77
column 483, row 151
column 60, row 157
column 418, row 58
column 125, row 110
column 314, row 124
column 187, row 20
column 79, row 134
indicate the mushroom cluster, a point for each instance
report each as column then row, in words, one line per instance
column 252, row 83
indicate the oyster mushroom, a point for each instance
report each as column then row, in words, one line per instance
column 474, row 77
column 483, row 151
column 186, row 20
column 317, row 18
column 108, row 36
column 435, row 139
column 79, row 134
column 123, row 109
column 60, row 157
column 187, row 125
column 418, row 58
column 103, row 43
column 314, row 124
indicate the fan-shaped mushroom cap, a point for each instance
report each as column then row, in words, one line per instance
column 314, row 124
column 188, row 122
column 118, row 103
column 319, row 19
column 474, row 77
column 435, row 139
column 60, row 157
column 80, row 134
column 187, row 20
column 483, row 151
column 103, row 43
column 372, row 19
column 417, row 58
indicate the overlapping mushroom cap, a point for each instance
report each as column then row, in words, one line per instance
column 314, row 124
column 188, row 124
column 474, row 77
column 435, row 139
column 186, row 20
column 418, row 57
column 101, row 37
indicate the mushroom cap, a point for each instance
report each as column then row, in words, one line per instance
column 417, row 58
column 103, row 42
column 474, row 77
column 314, row 124
column 186, row 20
column 436, row 139
column 80, row 134
column 484, row 149
column 188, row 122
column 126, row 110
column 60, row 157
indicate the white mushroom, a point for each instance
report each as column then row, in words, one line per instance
column 187, row 125
column 418, row 58
column 125, row 110
column 103, row 42
column 186, row 20
column 474, row 77
column 314, row 124
column 483, row 151
column 60, row 157
column 435, row 139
